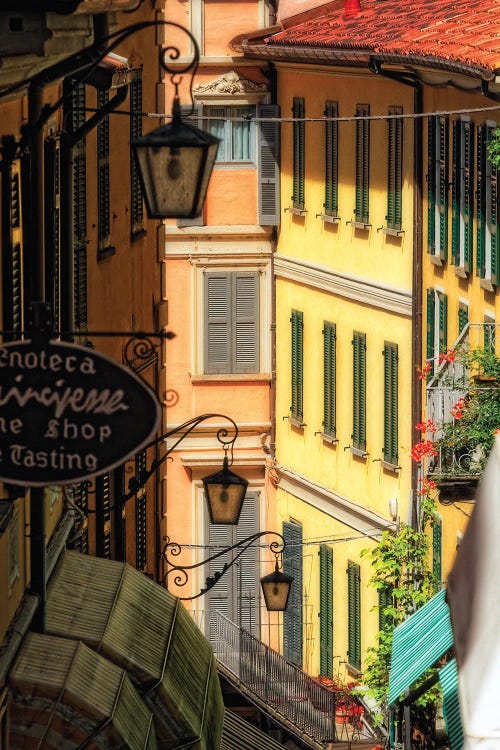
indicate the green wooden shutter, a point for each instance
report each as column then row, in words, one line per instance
column 361, row 211
column 354, row 615
column 269, row 164
column 103, row 516
column 384, row 601
column 462, row 193
column 331, row 160
column 395, row 169
column 493, row 221
column 443, row 322
column 298, row 113
column 431, row 184
column 391, row 403
column 468, row 192
column 217, row 322
column 359, row 391
column 455, row 192
column 136, row 193
column 296, row 408
column 481, row 192
column 103, row 185
column 329, row 378
column 326, row 610
column 292, row 617
column 141, row 542
column 245, row 322
column 431, row 325
column 443, row 187
column 463, row 317
column 437, row 529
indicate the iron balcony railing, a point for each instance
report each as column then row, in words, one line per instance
column 451, row 382
column 283, row 689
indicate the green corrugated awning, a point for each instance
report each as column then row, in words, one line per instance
column 239, row 734
column 143, row 629
column 418, row 642
column 448, row 677
column 63, row 693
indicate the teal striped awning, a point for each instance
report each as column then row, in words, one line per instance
column 448, row 677
column 417, row 644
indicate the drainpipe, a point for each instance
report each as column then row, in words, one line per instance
column 408, row 79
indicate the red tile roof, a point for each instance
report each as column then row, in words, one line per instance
column 463, row 32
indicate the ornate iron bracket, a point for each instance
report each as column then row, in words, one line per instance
column 181, row 574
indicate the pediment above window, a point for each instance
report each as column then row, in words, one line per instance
column 230, row 88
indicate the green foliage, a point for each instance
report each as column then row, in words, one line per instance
column 494, row 148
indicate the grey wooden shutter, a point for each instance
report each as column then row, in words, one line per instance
column 390, row 403
column 326, row 610
column 245, row 318
column 195, row 117
column 220, row 597
column 354, row 614
column 292, row 617
column 218, row 322
column 268, row 145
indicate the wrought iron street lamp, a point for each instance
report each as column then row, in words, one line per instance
column 275, row 586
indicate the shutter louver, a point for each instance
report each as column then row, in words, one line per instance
column 455, row 193
column 354, row 615
column 53, row 228
column 269, row 164
column 12, row 249
column 443, row 188
column 395, row 170
column 103, row 179
column 80, row 538
column 298, row 114
column 217, row 317
column 391, row 403
column 136, row 193
column 431, row 185
column 329, row 379
column 141, row 545
column 468, row 135
column 359, row 391
column 245, row 317
column 331, row 160
column 443, row 322
column 493, row 224
column 326, row 610
column 292, row 617
column 481, row 191
column 463, row 318
column 296, row 407
column 384, row 601
column 362, row 164
column 103, row 516
column 431, row 325
column 436, row 552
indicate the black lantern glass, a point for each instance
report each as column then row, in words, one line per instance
column 175, row 163
column 276, row 589
column 224, row 492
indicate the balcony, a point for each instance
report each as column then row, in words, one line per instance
column 463, row 407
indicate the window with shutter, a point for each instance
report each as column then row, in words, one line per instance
column 140, row 515
column 236, row 594
column 329, row 378
column 298, row 114
column 297, row 360
column 395, row 169
column 103, row 515
column 80, row 497
column 431, row 326
column 463, row 316
column 326, row 610
column 232, row 322
column 353, row 615
column 236, row 129
column 437, row 186
column 361, row 211
column 487, row 207
column 436, row 552
column 391, row 403
column 359, row 392
column 331, row 203
column 442, row 305
column 437, row 325
column 12, row 248
column 269, row 164
column 103, row 183
column 136, row 193
column 118, row 478
column 292, row 617
column 462, row 194
column 384, row 601
column 53, row 228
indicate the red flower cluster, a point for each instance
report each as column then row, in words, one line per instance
column 426, row 486
column 423, row 449
column 458, row 409
column 427, row 426
column 448, row 356
column 424, row 370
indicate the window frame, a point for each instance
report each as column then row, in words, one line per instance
column 228, row 112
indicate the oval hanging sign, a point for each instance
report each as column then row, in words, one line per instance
column 68, row 413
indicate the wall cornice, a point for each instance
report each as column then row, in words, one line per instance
column 367, row 291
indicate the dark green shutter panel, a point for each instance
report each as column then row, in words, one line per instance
column 140, row 514
column 391, row 403
column 298, row 113
column 463, row 318
column 329, row 378
column 292, row 617
column 269, row 164
column 395, row 170
column 443, row 187
column 354, row 615
column 136, row 193
column 359, row 391
column 437, row 552
column 331, row 160
column 218, row 322
column 245, row 317
column 443, row 322
column 493, row 222
column 326, row 609
column 455, row 193
column 384, row 601
column 431, row 184
column 103, row 516
column 468, row 192
column 481, row 192
column 462, row 194
column 431, row 324
column 362, row 164
column 296, row 407
column 103, row 178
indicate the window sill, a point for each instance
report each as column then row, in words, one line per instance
column 435, row 260
column 329, row 219
column 264, row 377
column 139, row 234
column 461, row 271
column 487, row 285
column 391, row 232
column 359, row 452
column 296, row 422
column 359, row 224
column 235, row 165
column 106, row 252
column 296, row 211
column 393, row 468
column 329, row 439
